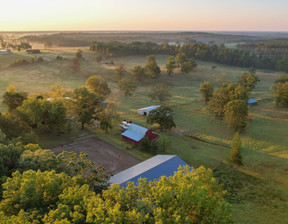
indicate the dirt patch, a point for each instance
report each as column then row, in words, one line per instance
column 103, row 154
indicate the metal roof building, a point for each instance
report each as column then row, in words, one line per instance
column 146, row 110
column 252, row 102
column 154, row 168
column 135, row 133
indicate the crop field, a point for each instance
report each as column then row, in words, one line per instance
column 264, row 194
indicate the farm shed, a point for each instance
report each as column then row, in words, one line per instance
column 33, row 51
column 3, row 52
column 136, row 133
column 154, row 168
column 146, row 110
column 252, row 102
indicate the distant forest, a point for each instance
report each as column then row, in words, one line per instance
column 260, row 52
column 270, row 54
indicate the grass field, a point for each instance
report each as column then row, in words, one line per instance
column 265, row 142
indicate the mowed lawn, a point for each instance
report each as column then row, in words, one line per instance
column 265, row 142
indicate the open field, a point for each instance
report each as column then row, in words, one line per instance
column 265, row 142
column 114, row 160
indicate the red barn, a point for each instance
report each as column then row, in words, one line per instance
column 136, row 133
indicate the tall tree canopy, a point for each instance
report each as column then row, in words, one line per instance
column 206, row 90
column 152, row 69
column 160, row 93
column 190, row 196
column 96, row 84
column 12, row 98
column 84, row 105
column 162, row 116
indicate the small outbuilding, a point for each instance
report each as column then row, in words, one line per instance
column 136, row 133
column 154, row 168
column 252, row 102
column 146, row 110
column 3, row 52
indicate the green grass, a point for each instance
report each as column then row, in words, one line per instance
column 265, row 142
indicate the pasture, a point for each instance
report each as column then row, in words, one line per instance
column 265, row 142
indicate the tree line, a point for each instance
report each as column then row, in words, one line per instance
column 241, row 56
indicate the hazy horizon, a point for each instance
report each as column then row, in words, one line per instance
column 136, row 15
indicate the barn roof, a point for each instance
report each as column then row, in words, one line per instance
column 154, row 168
column 149, row 108
column 251, row 101
column 135, row 132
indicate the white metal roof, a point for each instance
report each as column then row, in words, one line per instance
column 149, row 108
column 135, row 132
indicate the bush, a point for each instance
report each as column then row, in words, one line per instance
column 156, row 146
column 19, row 62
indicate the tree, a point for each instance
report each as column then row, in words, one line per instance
column 152, row 69
column 248, row 80
column 78, row 54
column 206, row 89
column 160, row 93
column 163, row 116
column 236, row 112
column 43, row 114
column 281, row 91
column 188, row 66
column 120, row 71
column 181, row 58
column 57, row 92
column 138, row 72
column 127, row 86
column 97, row 85
column 225, row 94
column 13, row 99
column 171, row 65
column 84, row 105
column 98, row 59
column 48, row 197
column 235, row 153
column 107, row 117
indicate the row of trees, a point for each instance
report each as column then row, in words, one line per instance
column 242, row 56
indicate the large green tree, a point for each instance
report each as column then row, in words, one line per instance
column 152, row 69
column 248, row 80
column 163, row 116
column 96, row 84
column 84, row 105
column 127, row 86
column 43, row 114
column 171, row 65
column 236, row 112
column 160, row 93
column 206, row 90
column 107, row 117
column 12, row 98
column 138, row 72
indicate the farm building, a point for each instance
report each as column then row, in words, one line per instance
column 3, row 52
column 34, row 51
column 146, row 110
column 136, row 133
column 252, row 102
column 154, row 168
